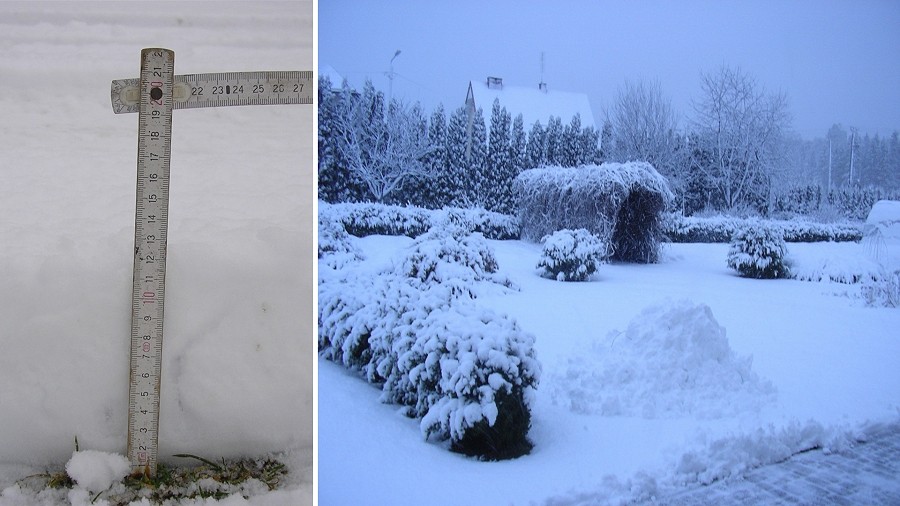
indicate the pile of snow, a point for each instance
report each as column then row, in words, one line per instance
column 673, row 360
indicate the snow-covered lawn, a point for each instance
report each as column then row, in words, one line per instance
column 238, row 342
column 653, row 376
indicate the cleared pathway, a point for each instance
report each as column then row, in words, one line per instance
column 867, row 474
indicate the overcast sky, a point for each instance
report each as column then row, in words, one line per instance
column 838, row 61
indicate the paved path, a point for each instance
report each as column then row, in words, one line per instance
column 867, row 474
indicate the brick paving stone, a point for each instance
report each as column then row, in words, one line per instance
column 866, row 474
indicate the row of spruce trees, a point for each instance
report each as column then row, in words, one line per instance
column 464, row 162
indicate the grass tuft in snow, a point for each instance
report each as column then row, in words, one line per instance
column 246, row 477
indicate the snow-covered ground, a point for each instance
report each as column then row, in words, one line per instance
column 654, row 376
column 237, row 377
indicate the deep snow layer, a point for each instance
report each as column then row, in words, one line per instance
column 237, row 362
column 830, row 361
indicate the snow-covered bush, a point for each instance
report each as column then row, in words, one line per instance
column 882, row 292
column 448, row 252
column 571, row 255
column 335, row 245
column 758, row 252
column 621, row 204
column 467, row 372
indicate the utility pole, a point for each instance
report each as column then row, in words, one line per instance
column 829, row 166
column 852, row 145
column 391, row 79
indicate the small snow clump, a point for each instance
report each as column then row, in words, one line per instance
column 96, row 471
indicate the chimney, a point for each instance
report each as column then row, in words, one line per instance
column 495, row 83
column 542, row 86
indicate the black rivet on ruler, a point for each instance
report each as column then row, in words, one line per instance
column 155, row 93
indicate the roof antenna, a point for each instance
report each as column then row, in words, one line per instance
column 542, row 85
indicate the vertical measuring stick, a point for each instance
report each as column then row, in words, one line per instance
column 150, row 231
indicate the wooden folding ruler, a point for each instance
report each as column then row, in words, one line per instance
column 154, row 95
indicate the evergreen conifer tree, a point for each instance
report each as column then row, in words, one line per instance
column 554, row 141
column 477, row 170
column 454, row 186
column 537, row 146
column 498, row 180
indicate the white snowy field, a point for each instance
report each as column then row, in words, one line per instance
column 681, row 405
column 237, row 360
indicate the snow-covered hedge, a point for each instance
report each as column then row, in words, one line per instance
column 571, row 255
column 622, row 204
column 469, row 373
column 335, row 245
column 758, row 252
column 362, row 219
column 681, row 229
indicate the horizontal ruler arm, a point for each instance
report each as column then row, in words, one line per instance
column 223, row 89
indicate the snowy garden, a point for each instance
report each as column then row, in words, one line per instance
column 591, row 330
column 237, row 384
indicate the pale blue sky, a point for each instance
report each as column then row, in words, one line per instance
column 838, row 61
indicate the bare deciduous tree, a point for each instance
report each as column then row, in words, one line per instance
column 741, row 132
column 645, row 128
column 384, row 150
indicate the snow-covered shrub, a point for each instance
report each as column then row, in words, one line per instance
column 571, row 255
column 362, row 219
column 449, row 253
column 718, row 229
column 474, row 372
column 489, row 223
column 758, row 252
column 335, row 245
column 621, row 204
column 467, row 372
column 882, row 292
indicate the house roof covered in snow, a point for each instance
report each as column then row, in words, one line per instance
column 328, row 71
column 533, row 103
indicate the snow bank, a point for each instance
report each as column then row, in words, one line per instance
column 673, row 360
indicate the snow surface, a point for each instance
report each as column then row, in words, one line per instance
column 237, row 377
column 823, row 373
